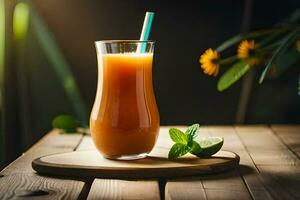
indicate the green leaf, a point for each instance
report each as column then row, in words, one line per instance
column 21, row 21
column 192, row 132
column 178, row 150
column 294, row 17
column 66, row 123
column 286, row 42
column 289, row 59
column 284, row 26
column 235, row 39
column 233, row 74
column 58, row 62
column 177, row 136
column 272, row 41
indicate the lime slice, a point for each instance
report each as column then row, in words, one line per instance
column 209, row 146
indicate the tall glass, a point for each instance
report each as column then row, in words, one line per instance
column 124, row 121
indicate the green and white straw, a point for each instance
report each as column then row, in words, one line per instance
column 145, row 31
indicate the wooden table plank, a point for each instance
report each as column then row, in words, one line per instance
column 264, row 147
column 278, row 167
column 227, row 185
column 247, row 169
column 121, row 189
column 53, row 142
column 20, row 179
column 224, row 186
column 17, row 186
column 282, row 181
column 269, row 170
column 194, row 190
column 289, row 135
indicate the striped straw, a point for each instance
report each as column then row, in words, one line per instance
column 145, row 31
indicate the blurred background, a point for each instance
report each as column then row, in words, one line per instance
column 48, row 62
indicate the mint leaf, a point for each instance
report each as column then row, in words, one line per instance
column 196, row 148
column 177, row 136
column 178, row 150
column 66, row 123
column 192, row 132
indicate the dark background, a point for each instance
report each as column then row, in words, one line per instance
column 182, row 31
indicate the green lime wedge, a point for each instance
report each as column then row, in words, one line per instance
column 208, row 146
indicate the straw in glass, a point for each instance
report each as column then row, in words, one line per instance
column 145, row 31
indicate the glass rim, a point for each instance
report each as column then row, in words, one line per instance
column 124, row 41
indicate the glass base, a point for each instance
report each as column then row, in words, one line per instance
column 128, row 157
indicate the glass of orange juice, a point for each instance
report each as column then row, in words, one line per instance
column 124, row 121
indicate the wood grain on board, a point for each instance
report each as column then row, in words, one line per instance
column 156, row 165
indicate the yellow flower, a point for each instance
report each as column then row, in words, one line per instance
column 246, row 49
column 208, row 62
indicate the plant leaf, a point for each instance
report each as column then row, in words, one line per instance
column 177, row 136
column 192, row 132
column 58, row 63
column 283, row 26
column 254, row 34
column 294, row 17
column 286, row 42
column 289, row 59
column 178, row 150
column 271, row 40
column 66, row 123
column 233, row 74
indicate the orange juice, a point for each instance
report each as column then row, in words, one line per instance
column 124, row 119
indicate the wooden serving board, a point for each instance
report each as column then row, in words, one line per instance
column 92, row 164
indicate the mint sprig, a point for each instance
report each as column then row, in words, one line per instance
column 184, row 142
column 192, row 132
column 178, row 136
column 178, row 150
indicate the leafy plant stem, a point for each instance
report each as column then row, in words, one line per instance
column 227, row 60
column 228, row 43
column 282, row 47
column 270, row 47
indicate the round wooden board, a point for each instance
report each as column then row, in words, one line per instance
column 92, row 164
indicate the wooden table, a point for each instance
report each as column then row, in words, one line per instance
column 269, row 169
